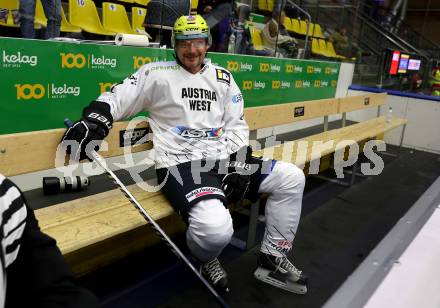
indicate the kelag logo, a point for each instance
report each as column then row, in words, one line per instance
column 30, row 91
column 317, row 83
column 105, row 86
column 62, row 91
column 264, row 67
column 102, row 62
column 334, row 83
column 71, row 60
column 233, row 66
column 38, row 91
column 276, row 84
column 78, row 61
column 138, row 61
column 290, row 68
column 313, row 69
column 302, row 84
column 15, row 60
column 330, row 70
column 247, row 85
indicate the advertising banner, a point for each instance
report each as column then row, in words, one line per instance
column 43, row 82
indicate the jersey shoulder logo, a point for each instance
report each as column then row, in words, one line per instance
column 223, row 76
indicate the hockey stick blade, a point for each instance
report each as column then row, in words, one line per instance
column 102, row 163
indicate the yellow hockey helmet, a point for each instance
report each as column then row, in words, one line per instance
column 190, row 27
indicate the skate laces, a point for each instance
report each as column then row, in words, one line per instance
column 285, row 264
column 214, row 270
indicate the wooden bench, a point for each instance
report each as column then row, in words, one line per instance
column 96, row 230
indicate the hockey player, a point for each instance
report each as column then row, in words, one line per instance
column 196, row 115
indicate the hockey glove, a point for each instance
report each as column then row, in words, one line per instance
column 86, row 134
column 236, row 182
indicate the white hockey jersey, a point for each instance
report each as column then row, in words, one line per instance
column 192, row 116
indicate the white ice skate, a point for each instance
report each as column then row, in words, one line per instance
column 281, row 273
column 215, row 274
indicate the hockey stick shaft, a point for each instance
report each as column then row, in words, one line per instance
column 102, row 163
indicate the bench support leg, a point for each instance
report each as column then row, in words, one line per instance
column 253, row 221
column 402, row 136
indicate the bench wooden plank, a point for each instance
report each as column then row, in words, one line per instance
column 272, row 115
column 355, row 133
column 34, row 151
column 352, row 103
column 86, row 221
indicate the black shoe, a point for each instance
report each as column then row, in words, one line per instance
column 280, row 272
column 215, row 274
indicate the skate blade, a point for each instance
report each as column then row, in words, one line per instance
column 263, row 275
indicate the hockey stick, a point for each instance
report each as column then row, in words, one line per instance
column 101, row 162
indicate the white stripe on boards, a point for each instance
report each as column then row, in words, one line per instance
column 10, row 257
column 15, row 219
column 2, row 178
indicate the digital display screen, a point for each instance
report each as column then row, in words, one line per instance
column 394, row 62
column 403, row 63
column 414, row 64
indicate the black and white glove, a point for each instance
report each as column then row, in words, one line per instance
column 236, row 182
column 86, row 134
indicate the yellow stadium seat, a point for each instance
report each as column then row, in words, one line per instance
column 142, row 2
column 296, row 26
column 270, row 5
column 315, row 47
column 323, row 48
column 288, row 24
column 311, row 28
column 66, row 26
column 303, row 27
column 317, row 32
column 83, row 14
column 138, row 15
column 256, row 38
column 262, row 5
column 128, row 1
column 115, row 19
column 10, row 6
column 332, row 52
column 40, row 17
column 194, row 5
